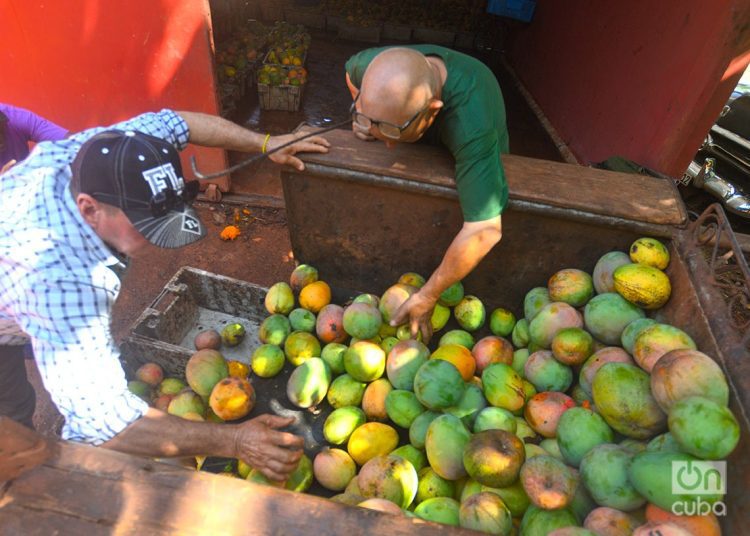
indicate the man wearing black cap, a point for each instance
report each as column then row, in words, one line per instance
column 72, row 211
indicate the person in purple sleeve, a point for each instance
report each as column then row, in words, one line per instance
column 18, row 127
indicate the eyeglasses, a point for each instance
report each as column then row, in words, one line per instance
column 389, row 130
column 162, row 202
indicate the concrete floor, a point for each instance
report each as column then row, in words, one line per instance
column 262, row 254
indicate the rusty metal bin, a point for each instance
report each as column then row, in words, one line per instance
column 364, row 215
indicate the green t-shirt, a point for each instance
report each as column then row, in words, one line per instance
column 471, row 125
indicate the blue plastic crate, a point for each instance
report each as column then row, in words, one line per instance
column 515, row 9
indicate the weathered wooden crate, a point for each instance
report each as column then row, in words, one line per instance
column 285, row 98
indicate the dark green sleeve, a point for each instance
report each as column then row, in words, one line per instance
column 480, row 178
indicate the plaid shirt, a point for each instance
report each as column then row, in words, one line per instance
column 57, row 284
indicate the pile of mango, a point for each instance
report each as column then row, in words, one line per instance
column 566, row 420
column 236, row 54
column 284, row 63
column 288, row 36
column 236, row 58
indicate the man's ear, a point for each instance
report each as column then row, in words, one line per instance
column 90, row 209
column 434, row 107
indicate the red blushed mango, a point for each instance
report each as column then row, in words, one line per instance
column 150, row 374
column 605, row 520
column 329, row 325
column 232, row 398
column 707, row 525
column 393, row 298
column 572, row 286
column 543, row 411
column 491, row 350
column 303, row 275
column 549, row 483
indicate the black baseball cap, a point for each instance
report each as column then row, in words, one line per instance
column 141, row 175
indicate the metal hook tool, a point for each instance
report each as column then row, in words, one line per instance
column 258, row 157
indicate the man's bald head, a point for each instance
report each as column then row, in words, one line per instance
column 397, row 84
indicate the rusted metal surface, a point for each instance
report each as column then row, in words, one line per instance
column 729, row 272
column 709, row 280
column 359, row 228
column 631, row 197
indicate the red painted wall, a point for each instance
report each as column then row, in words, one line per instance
column 642, row 79
column 84, row 63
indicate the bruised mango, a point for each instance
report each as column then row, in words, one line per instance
column 329, row 325
column 494, row 458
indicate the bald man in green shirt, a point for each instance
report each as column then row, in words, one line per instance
column 431, row 93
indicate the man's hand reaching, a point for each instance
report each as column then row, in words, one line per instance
column 417, row 311
column 261, row 445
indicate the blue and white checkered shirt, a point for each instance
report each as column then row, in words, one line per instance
column 57, row 287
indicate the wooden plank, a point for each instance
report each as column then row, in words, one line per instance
column 629, row 196
column 133, row 495
column 20, row 521
column 21, row 449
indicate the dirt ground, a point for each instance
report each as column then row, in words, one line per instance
column 262, row 253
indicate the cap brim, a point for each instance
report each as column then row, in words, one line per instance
column 176, row 229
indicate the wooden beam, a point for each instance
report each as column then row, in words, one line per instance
column 84, row 487
column 21, row 449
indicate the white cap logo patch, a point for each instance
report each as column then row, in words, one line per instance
column 190, row 224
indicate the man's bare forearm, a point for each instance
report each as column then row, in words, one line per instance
column 213, row 131
column 467, row 250
column 160, row 435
